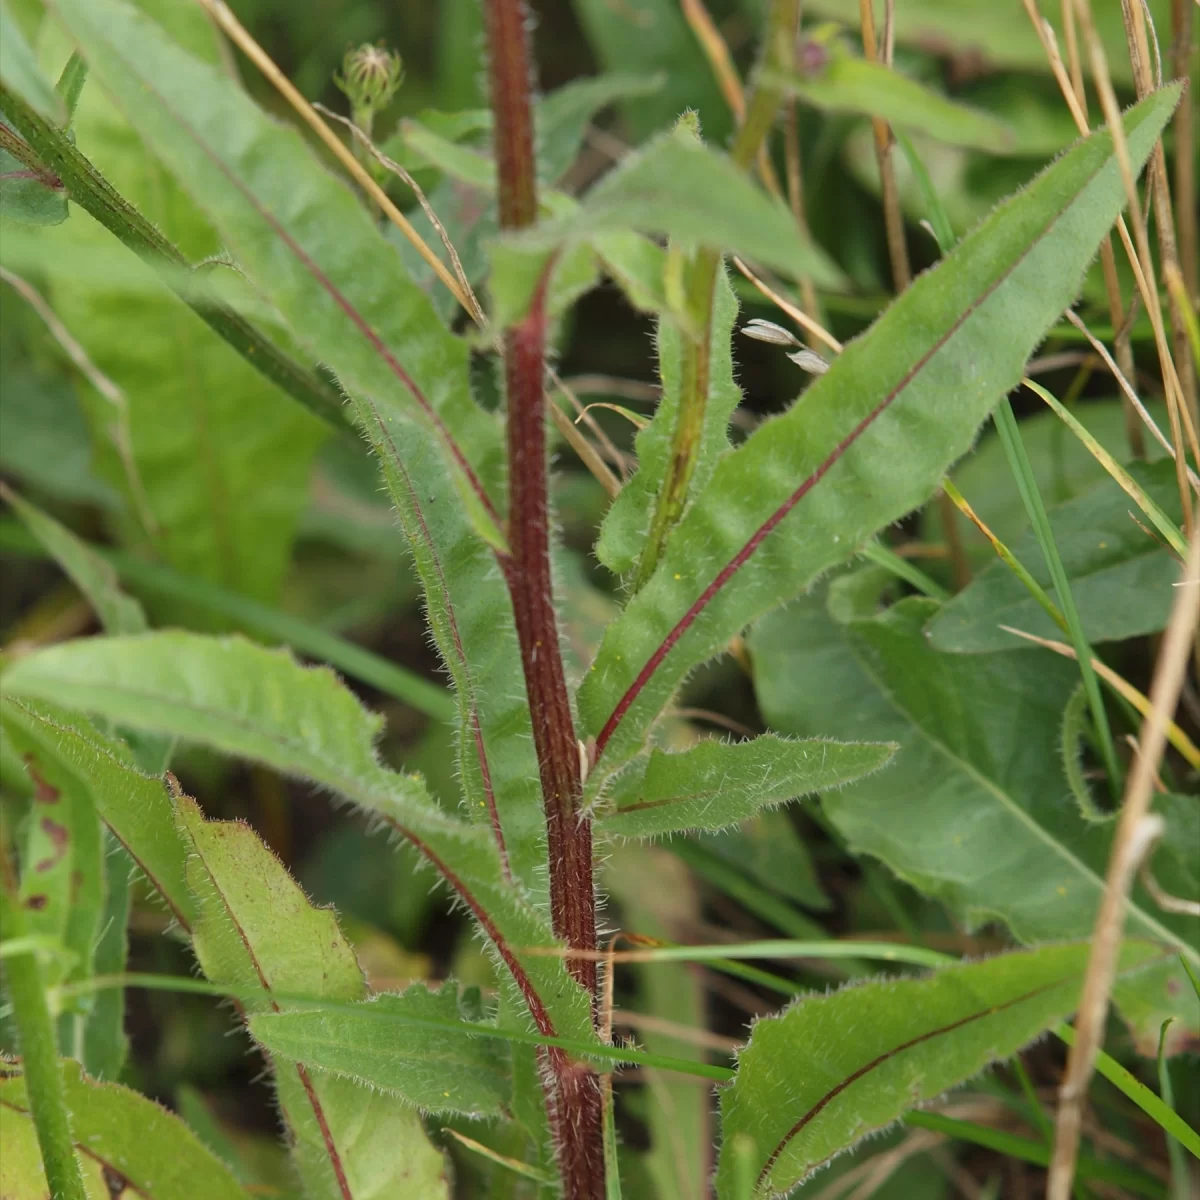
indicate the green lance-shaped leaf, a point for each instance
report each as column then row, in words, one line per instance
column 627, row 523
column 128, row 1145
column 677, row 187
column 717, row 784
column 309, row 247
column 257, row 932
column 974, row 809
column 259, row 704
column 770, row 851
column 1121, row 576
column 846, row 83
column 832, row 1069
column 19, row 70
column 95, row 578
column 188, row 434
column 870, row 441
column 441, row 1072
column 133, row 805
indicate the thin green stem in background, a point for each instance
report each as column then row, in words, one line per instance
column 1161, row 1114
column 255, row 617
column 37, row 1045
column 1180, row 1189
column 882, row 556
column 1022, row 469
column 47, row 148
column 1038, row 1153
column 1013, row 563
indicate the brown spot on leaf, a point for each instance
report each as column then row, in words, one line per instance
column 59, row 838
column 43, row 791
column 37, row 903
column 114, row 1181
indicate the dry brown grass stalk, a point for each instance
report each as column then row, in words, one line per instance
column 1135, row 831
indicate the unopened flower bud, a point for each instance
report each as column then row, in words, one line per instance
column 370, row 77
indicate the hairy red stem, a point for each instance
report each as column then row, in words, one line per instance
column 576, row 1111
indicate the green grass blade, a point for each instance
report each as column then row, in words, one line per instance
column 1014, row 448
column 1037, row 1153
column 1161, row 521
column 882, row 556
column 1180, row 1189
column 1161, row 1114
column 614, row 1055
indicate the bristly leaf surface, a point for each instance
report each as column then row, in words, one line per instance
column 718, row 784
column 307, row 244
column 628, row 519
column 440, row 1072
column 256, row 931
column 869, row 441
column 832, row 1069
column 127, row 1144
column 244, row 700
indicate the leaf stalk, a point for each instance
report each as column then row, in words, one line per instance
column 700, row 288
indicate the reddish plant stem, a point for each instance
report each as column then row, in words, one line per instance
column 576, row 1112
column 529, row 583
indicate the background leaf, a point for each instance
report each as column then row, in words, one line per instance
column 1121, row 575
column 846, row 83
column 832, row 1069
column 19, row 70
column 1062, row 466
column 561, row 118
column 1000, row 36
column 647, row 36
column 974, row 809
column 678, row 1113
column 94, row 577
column 135, row 806
column 211, row 460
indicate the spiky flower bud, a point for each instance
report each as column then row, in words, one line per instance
column 370, row 77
